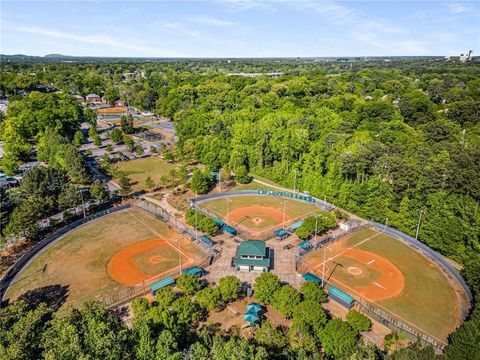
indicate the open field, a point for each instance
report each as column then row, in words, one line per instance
column 104, row 256
column 258, row 215
column 140, row 169
column 389, row 273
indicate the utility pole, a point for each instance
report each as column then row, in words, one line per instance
column 418, row 225
column 83, row 203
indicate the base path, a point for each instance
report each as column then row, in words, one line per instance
column 122, row 269
column 236, row 217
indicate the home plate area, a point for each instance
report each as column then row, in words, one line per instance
column 364, row 274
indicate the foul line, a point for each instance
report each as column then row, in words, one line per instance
column 347, row 249
column 159, row 235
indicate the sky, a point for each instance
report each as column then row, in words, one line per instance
column 239, row 28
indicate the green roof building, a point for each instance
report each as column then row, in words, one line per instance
column 252, row 255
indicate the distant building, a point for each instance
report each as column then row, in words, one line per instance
column 79, row 98
column 93, row 98
column 120, row 103
column 252, row 255
column 111, row 113
column 465, row 57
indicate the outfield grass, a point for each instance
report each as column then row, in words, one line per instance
column 79, row 260
column 293, row 208
column 140, row 169
column 428, row 300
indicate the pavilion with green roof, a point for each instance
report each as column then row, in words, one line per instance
column 252, row 255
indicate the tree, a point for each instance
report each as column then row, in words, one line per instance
column 300, row 337
column 89, row 332
column 21, row 329
column 90, row 116
column 92, row 132
column 358, row 321
column 265, row 286
column 271, row 337
column 149, row 183
column 125, row 184
column 285, row 300
column 116, row 136
column 200, row 182
column 313, row 292
column 69, row 197
column 78, row 138
column 208, row 298
column 241, row 175
column 229, row 287
column 129, row 143
column 25, row 217
column 337, row 338
column 99, row 191
column 126, row 123
column 189, row 284
column 312, row 314
column 208, row 225
column 97, row 140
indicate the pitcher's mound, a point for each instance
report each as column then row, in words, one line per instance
column 356, row 271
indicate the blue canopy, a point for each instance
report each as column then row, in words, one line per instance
column 311, row 277
column 161, row 284
column 280, row 232
column 230, row 230
column 296, row 225
column 254, row 306
column 218, row 221
column 194, row 270
column 251, row 317
column 305, row 245
column 206, row 240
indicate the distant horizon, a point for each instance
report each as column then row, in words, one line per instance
column 240, row 28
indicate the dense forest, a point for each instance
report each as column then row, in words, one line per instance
column 383, row 140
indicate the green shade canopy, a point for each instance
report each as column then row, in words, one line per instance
column 254, row 306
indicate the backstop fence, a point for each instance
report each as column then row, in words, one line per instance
column 131, row 292
column 41, row 246
column 377, row 312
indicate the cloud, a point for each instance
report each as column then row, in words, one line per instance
column 457, row 8
column 101, row 40
column 212, row 21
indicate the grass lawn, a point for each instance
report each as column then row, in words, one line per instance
column 428, row 300
column 140, row 169
column 251, row 186
column 78, row 262
column 293, row 208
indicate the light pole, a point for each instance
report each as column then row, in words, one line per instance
column 81, row 191
column 283, row 223
column 316, row 227
column 295, row 181
column 179, row 256
column 418, row 225
column 324, row 260
column 228, row 211
column 196, row 225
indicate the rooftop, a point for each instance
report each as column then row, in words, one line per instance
column 252, row 248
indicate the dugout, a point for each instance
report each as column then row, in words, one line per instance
column 311, row 277
column 206, row 240
column 341, row 297
column 169, row 280
column 281, row 234
column 305, row 245
column 218, row 221
column 194, row 270
column 296, row 225
column 229, row 229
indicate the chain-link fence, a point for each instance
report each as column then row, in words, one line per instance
column 10, row 275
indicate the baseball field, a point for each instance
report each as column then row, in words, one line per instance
column 387, row 272
column 258, row 215
column 140, row 169
column 105, row 256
